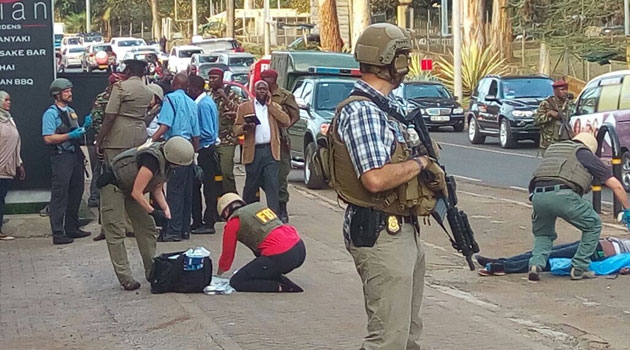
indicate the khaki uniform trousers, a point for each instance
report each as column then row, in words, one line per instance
column 226, row 160
column 114, row 204
column 392, row 272
column 109, row 155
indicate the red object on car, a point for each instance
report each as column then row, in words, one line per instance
column 426, row 64
column 257, row 68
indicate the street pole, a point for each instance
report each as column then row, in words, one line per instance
column 88, row 15
column 229, row 9
column 457, row 51
column 444, row 16
column 194, row 17
column 267, row 31
column 626, row 25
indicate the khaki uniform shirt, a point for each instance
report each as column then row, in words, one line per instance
column 287, row 101
column 128, row 101
column 553, row 130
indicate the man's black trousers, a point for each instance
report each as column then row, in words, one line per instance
column 66, row 190
column 208, row 160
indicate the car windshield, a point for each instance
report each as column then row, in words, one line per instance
column 76, row 50
column 216, row 45
column 526, row 87
column 101, row 48
column 425, row 91
column 208, row 59
column 204, row 69
column 130, row 43
column 241, row 61
column 74, row 41
column 89, row 39
column 240, row 78
column 188, row 53
column 329, row 95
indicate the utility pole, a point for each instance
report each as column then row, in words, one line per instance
column 267, row 30
column 457, row 50
column 444, row 17
column 229, row 9
column 626, row 25
column 88, row 17
column 194, row 17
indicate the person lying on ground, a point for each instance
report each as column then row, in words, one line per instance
column 606, row 248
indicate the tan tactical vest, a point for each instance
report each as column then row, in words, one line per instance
column 412, row 198
column 257, row 221
column 560, row 163
column 125, row 166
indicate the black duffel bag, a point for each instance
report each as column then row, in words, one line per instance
column 168, row 275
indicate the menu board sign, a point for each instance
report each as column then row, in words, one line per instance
column 27, row 61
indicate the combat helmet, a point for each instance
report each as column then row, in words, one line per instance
column 383, row 49
column 58, row 85
column 226, row 200
column 179, row 151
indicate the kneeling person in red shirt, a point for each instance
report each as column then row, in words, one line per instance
column 278, row 247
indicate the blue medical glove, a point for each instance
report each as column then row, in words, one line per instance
column 87, row 122
column 76, row 133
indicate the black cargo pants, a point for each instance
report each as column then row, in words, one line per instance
column 66, row 191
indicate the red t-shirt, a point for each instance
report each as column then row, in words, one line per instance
column 279, row 240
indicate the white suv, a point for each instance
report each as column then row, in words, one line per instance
column 120, row 46
column 179, row 59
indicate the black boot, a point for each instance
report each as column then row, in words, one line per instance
column 284, row 215
column 57, row 240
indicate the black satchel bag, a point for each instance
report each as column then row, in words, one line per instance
column 168, row 275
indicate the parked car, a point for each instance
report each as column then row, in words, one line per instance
column 504, row 107
column 438, row 105
column 57, row 40
column 238, row 62
column 92, row 38
column 606, row 99
column 179, row 59
column 72, row 56
column 122, row 45
column 98, row 56
column 219, row 44
column 319, row 81
column 67, row 41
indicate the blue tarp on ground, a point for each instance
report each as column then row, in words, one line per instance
column 609, row 266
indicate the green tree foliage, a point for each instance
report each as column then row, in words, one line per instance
column 568, row 22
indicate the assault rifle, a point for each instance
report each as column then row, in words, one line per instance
column 463, row 238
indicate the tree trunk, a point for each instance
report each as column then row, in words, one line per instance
column 155, row 22
column 501, row 28
column 544, row 64
column 330, row 36
column 360, row 12
column 249, row 4
column 473, row 18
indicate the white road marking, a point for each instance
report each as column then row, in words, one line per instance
column 488, row 150
column 467, row 178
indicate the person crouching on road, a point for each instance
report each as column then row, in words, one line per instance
column 565, row 173
column 278, row 247
column 62, row 134
column 130, row 175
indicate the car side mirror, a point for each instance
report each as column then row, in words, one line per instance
column 302, row 104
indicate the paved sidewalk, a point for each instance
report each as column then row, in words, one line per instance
column 68, row 297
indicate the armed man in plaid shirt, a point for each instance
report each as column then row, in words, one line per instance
column 372, row 169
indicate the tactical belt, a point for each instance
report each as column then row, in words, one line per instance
column 551, row 188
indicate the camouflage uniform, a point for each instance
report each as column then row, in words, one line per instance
column 285, row 99
column 228, row 139
column 553, row 130
column 98, row 110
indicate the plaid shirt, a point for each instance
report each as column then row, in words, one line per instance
column 367, row 132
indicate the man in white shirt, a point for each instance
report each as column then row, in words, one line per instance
column 260, row 121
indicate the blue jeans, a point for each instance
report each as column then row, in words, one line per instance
column 4, row 189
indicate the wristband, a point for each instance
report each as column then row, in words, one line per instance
column 417, row 160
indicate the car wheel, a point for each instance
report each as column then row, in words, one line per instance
column 89, row 69
column 474, row 134
column 506, row 139
column 311, row 178
column 625, row 170
column 458, row 127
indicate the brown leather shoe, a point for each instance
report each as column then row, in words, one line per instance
column 100, row 237
column 131, row 285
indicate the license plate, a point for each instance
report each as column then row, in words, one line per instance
column 440, row 118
